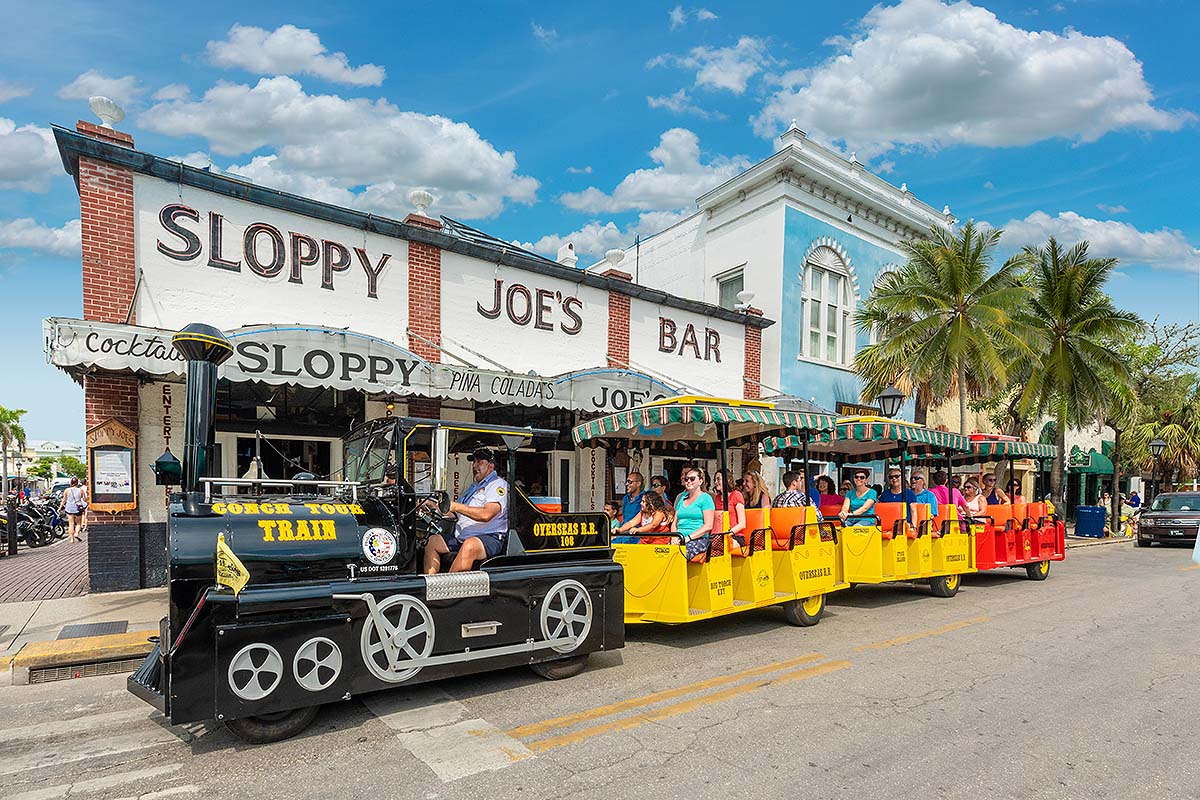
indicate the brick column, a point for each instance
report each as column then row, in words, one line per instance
column 425, row 292
column 752, row 371
column 618, row 322
column 109, row 277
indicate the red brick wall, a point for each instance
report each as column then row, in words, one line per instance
column 752, row 373
column 618, row 322
column 106, row 217
column 424, row 292
column 105, row 397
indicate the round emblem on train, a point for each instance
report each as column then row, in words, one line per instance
column 379, row 545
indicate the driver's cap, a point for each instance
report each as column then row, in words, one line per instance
column 482, row 453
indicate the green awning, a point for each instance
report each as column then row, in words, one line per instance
column 692, row 420
column 868, row 439
column 989, row 450
column 1098, row 464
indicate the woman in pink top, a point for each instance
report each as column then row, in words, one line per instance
column 737, row 505
column 945, row 494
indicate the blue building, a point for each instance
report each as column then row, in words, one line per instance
column 803, row 236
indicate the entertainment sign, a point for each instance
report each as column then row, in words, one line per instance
column 341, row 359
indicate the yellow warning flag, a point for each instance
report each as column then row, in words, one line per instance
column 231, row 571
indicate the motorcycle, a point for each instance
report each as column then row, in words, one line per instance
column 29, row 529
column 49, row 524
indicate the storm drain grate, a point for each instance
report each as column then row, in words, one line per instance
column 93, row 629
column 48, row 674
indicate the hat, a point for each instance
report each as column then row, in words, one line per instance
column 482, row 453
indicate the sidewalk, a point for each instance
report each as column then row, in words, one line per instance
column 44, row 573
column 29, row 630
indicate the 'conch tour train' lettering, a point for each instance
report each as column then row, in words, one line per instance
column 264, row 249
column 302, row 530
column 285, row 508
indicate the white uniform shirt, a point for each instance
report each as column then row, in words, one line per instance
column 492, row 489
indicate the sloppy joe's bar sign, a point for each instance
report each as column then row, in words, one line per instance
column 317, row 357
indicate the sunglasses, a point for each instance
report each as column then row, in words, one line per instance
column 893, row 477
column 860, row 477
column 691, row 478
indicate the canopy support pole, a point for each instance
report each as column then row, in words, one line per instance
column 1010, row 480
column 808, row 479
column 723, row 432
column 904, row 480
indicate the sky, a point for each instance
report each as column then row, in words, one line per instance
column 541, row 123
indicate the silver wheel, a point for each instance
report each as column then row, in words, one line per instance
column 399, row 630
column 317, row 664
column 255, row 671
column 566, row 615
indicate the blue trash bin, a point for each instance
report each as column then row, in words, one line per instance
column 1089, row 521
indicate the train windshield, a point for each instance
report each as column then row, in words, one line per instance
column 368, row 456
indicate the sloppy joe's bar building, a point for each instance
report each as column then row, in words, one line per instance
column 338, row 316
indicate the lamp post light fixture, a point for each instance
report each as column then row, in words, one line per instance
column 1157, row 446
column 890, row 400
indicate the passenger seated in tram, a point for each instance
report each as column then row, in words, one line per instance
column 892, row 493
column 976, row 504
column 755, row 490
column 922, row 492
column 1013, row 490
column 481, row 519
column 859, row 500
column 994, row 494
column 737, row 505
column 793, row 493
column 612, row 510
column 658, row 485
column 829, row 495
column 694, row 514
column 947, row 495
column 655, row 518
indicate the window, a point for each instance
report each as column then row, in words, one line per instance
column 826, row 327
column 728, row 287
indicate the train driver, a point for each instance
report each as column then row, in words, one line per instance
column 481, row 519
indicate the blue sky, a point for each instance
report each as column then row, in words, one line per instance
column 540, row 122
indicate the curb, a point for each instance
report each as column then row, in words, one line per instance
column 1082, row 541
column 76, row 652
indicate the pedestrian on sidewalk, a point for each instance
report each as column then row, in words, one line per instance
column 75, row 502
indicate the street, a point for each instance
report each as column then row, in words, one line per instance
column 1082, row 686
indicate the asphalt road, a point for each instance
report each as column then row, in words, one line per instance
column 1083, row 686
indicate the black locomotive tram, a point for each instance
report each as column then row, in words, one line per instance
column 327, row 599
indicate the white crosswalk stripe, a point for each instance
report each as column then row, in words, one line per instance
column 98, row 784
column 440, row 731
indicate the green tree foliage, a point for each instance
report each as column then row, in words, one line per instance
column 73, row 467
column 11, row 433
column 943, row 319
column 43, row 469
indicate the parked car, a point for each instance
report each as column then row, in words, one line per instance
column 1172, row 517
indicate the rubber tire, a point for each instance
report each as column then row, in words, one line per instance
column 561, row 668
column 272, row 727
column 1143, row 543
column 945, row 585
column 1035, row 573
column 794, row 613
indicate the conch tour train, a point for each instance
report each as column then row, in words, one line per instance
column 288, row 594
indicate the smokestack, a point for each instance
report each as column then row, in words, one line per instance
column 205, row 348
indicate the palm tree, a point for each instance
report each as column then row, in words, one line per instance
column 942, row 319
column 10, row 431
column 1073, row 373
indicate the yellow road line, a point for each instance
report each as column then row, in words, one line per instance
column 657, row 697
column 912, row 637
column 1193, row 566
column 684, row 707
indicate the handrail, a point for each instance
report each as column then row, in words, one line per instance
column 208, row 483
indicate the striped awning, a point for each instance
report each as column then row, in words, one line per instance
column 686, row 420
column 870, row 438
column 1002, row 450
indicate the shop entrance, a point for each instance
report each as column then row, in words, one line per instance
column 282, row 456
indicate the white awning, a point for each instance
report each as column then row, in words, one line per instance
column 314, row 356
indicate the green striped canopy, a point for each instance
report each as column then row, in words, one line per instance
column 666, row 424
column 1000, row 450
column 869, row 439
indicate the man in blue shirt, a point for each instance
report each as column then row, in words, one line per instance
column 923, row 493
column 631, row 503
column 481, row 519
column 892, row 494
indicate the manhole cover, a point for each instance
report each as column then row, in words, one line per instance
column 92, row 629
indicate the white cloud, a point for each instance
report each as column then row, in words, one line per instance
column 546, row 36
column 289, row 50
column 704, row 15
column 931, row 74
column 1165, row 248
column 26, row 234
column 124, row 90
column 1112, row 209
column 335, row 145
column 676, row 182
column 172, row 91
column 681, row 103
column 198, row 159
column 595, row 238
column 11, row 91
column 676, row 17
column 886, row 167
column 989, row 185
column 727, row 68
column 28, row 157
column 585, row 170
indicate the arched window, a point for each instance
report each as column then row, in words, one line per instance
column 827, row 308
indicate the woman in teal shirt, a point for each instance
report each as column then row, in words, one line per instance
column 694, row 514
column 858, row 500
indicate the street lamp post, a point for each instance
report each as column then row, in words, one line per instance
column 890, row 400
column 1156, row 450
